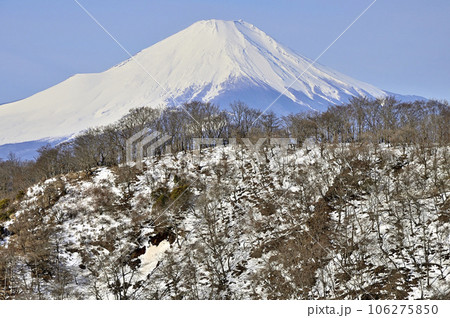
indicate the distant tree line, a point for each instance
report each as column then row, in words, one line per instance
column 362, row 120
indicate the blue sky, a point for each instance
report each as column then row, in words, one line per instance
column 399, row 45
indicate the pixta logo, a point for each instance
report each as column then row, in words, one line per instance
column 145, row 144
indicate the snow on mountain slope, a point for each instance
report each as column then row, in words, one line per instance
column 213, row 60
column 320, row 222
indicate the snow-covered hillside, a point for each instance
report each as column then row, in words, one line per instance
column 329, row 222
column 213, row 60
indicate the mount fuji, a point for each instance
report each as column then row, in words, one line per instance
column 213, row 61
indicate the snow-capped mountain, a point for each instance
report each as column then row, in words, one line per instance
column 216, row 61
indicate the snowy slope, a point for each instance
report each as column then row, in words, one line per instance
column 213, row 60
column 246, row 227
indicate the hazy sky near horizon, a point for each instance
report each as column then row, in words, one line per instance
column 402, row 46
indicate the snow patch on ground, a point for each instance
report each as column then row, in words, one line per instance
column 152, row 256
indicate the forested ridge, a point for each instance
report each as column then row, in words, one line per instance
column 358, row 208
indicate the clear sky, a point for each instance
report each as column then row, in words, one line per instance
column 401, row 46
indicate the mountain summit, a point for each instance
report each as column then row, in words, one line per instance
column 213, row 60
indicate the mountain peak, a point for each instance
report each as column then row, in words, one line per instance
column 229, row 31
column 216, row 23
column 212, row 60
